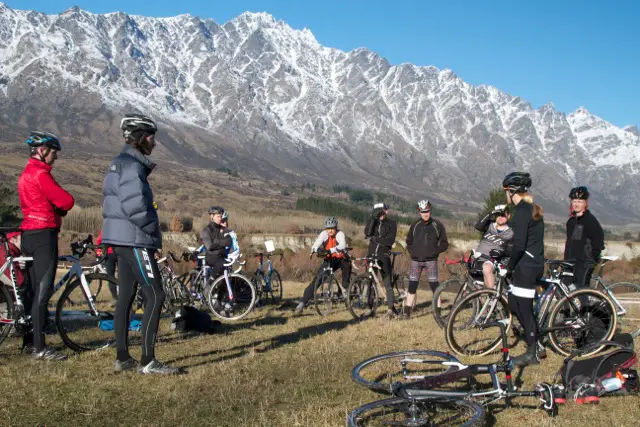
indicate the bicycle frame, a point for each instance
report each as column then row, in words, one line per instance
column 599, row 282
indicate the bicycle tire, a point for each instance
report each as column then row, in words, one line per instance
column 276, row 287
column 359, row 377
column 6, row 312
column 243, row 302
column 630, row 321
column 324, row 294
column 404, row 412
column 400, row 287
column 480, row 312
column 593, row 316
column 80, row 329
column 441, row 312
column 362, row 295
column 259, row 285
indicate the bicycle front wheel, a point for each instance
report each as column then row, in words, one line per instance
column 430, row 412
column 80, row 328
column 325, row 294
column 414, row 366
column 465, row 332
column 581, row 319
column 626, row 298
column 6, row 312
column 362, row 297
column 233, row 305
column 446, row 297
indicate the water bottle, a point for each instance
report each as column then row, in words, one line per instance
column 611, row 384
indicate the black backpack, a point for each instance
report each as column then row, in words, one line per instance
column 191, row 320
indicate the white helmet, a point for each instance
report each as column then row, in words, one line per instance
column 424, row 205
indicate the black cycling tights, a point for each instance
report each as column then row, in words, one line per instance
column 42, row 245
column 521, row 298
column 137, row 266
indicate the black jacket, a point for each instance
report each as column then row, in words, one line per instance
column 381, row 234
column 585, row 239
column 215, row 239
column 528, row 243
column 426, row 240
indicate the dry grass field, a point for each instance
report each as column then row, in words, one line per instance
column 268, row 370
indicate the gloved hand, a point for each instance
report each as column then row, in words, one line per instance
column 508, row 274
column 377, row 213
column 322, row 252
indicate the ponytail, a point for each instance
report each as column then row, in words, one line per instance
column 538, row 212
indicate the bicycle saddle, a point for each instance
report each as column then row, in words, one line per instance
column 565, row 264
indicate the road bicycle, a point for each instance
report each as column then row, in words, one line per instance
column 433, row 388
column 569, row 320
column 176, row 291
column 366, row 292
column 231, row 296
column 78, row 312
column 268, row 283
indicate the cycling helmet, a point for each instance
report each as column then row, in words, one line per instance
column 581, row 193
column 424, row 205
column 331, row 222
column 381, row 205
column 216, row 210
column 38, row 139
column 225, row 216
column 517, row 182
column 132, row 123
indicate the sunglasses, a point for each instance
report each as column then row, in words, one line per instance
column 427, row 211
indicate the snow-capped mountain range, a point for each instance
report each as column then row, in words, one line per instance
column 270, row 100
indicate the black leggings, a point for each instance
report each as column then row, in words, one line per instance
column 521, row 297
column 137, row 266
column 110, row 264
column 335, row 263
column 386, row 273
column 42, row 245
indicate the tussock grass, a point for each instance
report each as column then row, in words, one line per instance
column 268, row 370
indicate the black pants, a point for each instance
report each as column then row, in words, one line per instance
column 582, row 275
column 137, row 266
column 42, row 245
column 216, row 267
column 110, row 264
column 335, row 264
column 521, row 297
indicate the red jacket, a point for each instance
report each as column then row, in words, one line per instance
column 41, row 198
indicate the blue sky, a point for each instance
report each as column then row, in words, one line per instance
column 569, row 52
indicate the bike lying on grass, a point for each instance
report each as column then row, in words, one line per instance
column 432, row 388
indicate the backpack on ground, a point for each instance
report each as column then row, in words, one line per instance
column 190, row 319
column 611, row 373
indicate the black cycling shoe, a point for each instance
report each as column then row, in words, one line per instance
column 156, row 367
column 49, row 354
column 528, row 358
column 128, row 365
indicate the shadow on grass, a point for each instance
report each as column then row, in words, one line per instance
column 265, row 345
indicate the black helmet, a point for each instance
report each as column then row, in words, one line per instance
column 517, row 182
column 216, row 210
column 46, row 139
column 133, row 123
column 581, row 193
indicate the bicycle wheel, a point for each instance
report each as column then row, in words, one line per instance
column 6, row 312
column 325, row 294
column 413, row 366
column 362, row 297
column 233, row 307
column 259, row 285
column 431, row 412
column 464, row 332
column 276, row 287
column 79, row 328
column 584, row 317
column 400, row 289
column 626, row 298
column 449, row 293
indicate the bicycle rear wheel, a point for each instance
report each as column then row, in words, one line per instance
column 276, row 287
column 465, row 334
column 234, row 307
column 400, row 289
column 585, row 317
column 325, row 294
column 449, row 293
column 362, row 297
column 80, row 328
column 627, row 296
column 6, row 312
column 430, row 412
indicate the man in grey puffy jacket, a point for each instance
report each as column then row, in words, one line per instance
column 131, row 227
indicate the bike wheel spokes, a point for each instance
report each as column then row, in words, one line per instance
column 627, row 302
column 362, row 298
column 6, row 312
column 234, row 307
column 445, row 298
column 582, row 319
column 276, row 287
column 465, row 333
column 79, row 327
column 426, row 412
column 325, row 293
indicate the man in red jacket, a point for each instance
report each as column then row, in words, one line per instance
column 43, row 203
